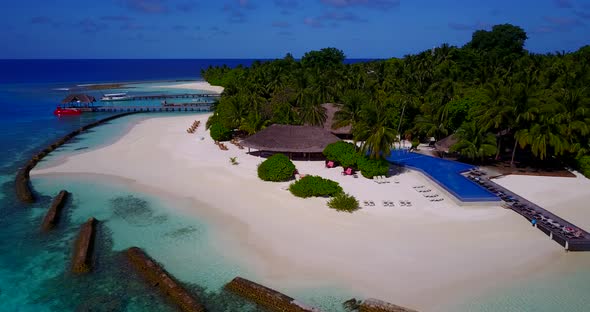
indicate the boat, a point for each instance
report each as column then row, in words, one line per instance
column 115, row 97
column 66, row 111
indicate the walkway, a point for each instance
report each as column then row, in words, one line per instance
column 565, row 233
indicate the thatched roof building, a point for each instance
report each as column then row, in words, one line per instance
column 443, row 145
column 79, row 98
column 331, row 110
column 291, row 139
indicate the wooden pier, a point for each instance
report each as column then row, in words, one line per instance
column 170, row 96
column 170, row 107
column 546, row 221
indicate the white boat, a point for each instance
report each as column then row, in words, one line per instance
column 115, row 97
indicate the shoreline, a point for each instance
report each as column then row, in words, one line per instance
column 200, row 85
column 307, row 243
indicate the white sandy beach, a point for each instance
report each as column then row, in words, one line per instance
column 421, row 256
column 196, row 85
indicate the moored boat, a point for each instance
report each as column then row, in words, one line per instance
column 66, row 111
column 115, row 97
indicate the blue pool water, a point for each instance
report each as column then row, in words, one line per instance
column 446, row 173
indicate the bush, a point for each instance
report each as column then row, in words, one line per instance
column 277, row 167
column 348, row 160
column 334, row 150
column 372, row 167
column 219, row 132
column 584, row 165
column 344, row 202
column 343, row 153
column 309, row 186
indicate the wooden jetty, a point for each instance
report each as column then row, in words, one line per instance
column 156, row 276
column 546, row 221
column 180, row 107
column 169, row 96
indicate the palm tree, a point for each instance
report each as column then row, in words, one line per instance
column 474, row 144
column 349, row 113
column 312, row 113
column 375, row 131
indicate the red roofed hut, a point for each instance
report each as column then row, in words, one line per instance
column 78, row 100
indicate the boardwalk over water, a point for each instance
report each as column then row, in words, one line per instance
column 169, row 96
column 561, row 231
column 185, row 107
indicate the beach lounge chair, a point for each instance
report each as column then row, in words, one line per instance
column 348, row 171
column 330, row 164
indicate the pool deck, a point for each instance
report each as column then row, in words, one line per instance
column 555, row 228
column 450, row 179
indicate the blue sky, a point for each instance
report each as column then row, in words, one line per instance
column 271, row 28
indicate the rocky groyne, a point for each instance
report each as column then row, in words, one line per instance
column 82, row 256
column 266, row 297
column 52, row 217
column 156, row 276
column 376, row 305
column 22, row 181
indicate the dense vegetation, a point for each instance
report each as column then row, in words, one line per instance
column 342, row 153
column 219, row 132
column 344, row 202
column 372, row 167
column 314, row 186
column 502, row 101
column 347, row 155
column 276, row 168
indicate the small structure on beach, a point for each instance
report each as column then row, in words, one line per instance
column 444, row 145
column 331, row 110
column 299, row 140
column 78, row 100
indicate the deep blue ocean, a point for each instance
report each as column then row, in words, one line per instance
column 34, row 266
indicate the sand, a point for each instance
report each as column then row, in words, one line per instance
column 196, row 85
column 565, row 197
column 422, row 256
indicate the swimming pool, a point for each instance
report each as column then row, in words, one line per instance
column 446, row 173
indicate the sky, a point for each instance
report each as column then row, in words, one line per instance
column 86, row 29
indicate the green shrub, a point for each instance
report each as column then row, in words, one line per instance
column 415, row 144
column 309, row 186
column 344, row 202
column 348, row 160
column 337, row 149
column 584, row 165
column 372, row 167
column 277, row 167
column 219, row 132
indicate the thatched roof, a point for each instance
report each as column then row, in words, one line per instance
column 286, row 138
column 443, row 145
column 82, row 98
column 331, row 109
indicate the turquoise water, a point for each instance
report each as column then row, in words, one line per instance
column 34, row 267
